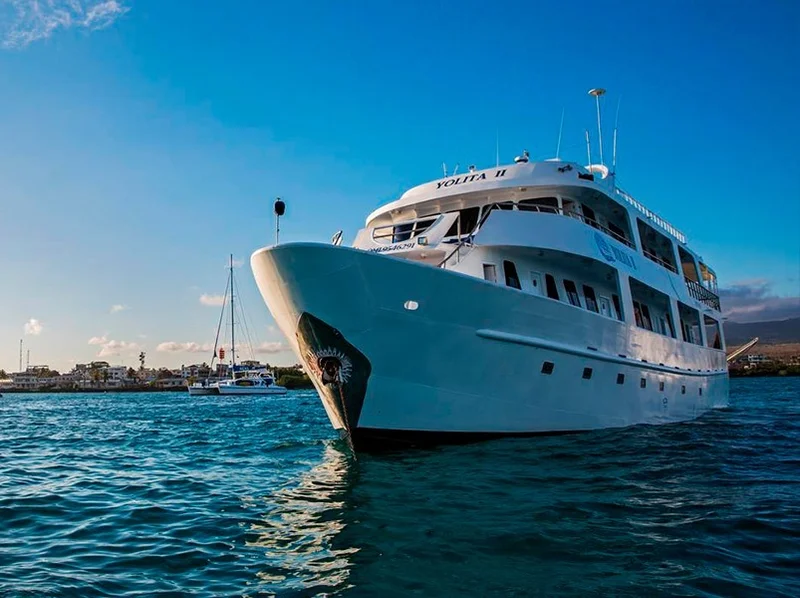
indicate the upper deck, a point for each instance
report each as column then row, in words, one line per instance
column 464, row 201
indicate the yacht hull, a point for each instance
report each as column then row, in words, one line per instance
column 402, row 352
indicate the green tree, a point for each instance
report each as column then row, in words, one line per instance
column 131, row 373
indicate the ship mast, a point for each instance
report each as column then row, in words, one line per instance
column 233, row 333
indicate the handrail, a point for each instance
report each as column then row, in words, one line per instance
column 701, row 293
column 659, row 260
column 652, row 215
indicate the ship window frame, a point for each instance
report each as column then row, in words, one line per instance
column 511, row 276
column 493, row 270
column 620, row 378
column 572, row 295
column 587, row 373
column 551, row 286
column 590, row 296
column 548, row 367
column 661, row 386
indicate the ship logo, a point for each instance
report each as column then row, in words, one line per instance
column 604, row 247
column 330, row 365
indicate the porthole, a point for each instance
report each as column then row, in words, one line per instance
column 620, row 378
column 411, row 305
column 547, row 367
column 587, row 373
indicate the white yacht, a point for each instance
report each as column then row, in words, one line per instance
column 535, row 297
column 249, row 383
column 244, row 380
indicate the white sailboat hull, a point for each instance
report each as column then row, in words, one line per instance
column 470, row 360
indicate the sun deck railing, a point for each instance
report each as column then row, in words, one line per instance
column 652, row 216
column 660, row 261
column 701, row 293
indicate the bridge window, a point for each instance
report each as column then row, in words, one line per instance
column 510, row 272
column 709, row 278
column 538, row 204
column 713, row 336
column 572, row 293
column 465, row 223
column 552, row 289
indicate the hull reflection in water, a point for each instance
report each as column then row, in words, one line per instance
column 298, row 528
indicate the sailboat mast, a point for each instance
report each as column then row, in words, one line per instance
column 233, row 333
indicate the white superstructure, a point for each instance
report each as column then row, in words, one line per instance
column 529, row 298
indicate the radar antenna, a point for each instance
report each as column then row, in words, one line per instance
column 560, row 130
column 597, row 92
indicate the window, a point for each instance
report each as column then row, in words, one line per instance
column 547, row 367
column 591, row 300
column 713, row 338
column 701, row 391
column 588, row 213
column 670, row 325
column 490, row 272
column 510, row 272
column 587, row 373
column 620, row 378
column 648, row 322
column 616, row 230
column 643, row 383
column 617, row 306
column 661, row 386
column 683, row 389
column 637, row 314
column 552, row 289
column 540, row 204
column 466, row 222
column 572, row 293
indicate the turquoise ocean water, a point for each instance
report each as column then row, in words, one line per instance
column 163, row 494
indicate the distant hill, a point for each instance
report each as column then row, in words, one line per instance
column 772, row 332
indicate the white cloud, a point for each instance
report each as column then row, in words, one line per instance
column 212, row 300
column 175, row 347
column 270, row 347
column 33, row 327
column 117, row 308
column 27, row 21
column 110, row 348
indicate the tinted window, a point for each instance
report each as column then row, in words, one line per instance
column 572, row 293
column 510, row 272
column 552, row 289
column 591, row 300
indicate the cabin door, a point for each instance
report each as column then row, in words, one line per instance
column 536, row 282
column 605, row 307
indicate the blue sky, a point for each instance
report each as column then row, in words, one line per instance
column 141, row 141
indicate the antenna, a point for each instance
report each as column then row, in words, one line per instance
column 588, row 148
column 455, row 170
column 597, row 92
column 280, row 210
column 560, row 130
column 614, row 145
column 444, row 169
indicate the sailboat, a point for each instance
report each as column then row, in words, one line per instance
column 243, row 380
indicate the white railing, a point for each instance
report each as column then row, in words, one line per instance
column 652, row 216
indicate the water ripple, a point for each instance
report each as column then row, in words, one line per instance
column 163, row 494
